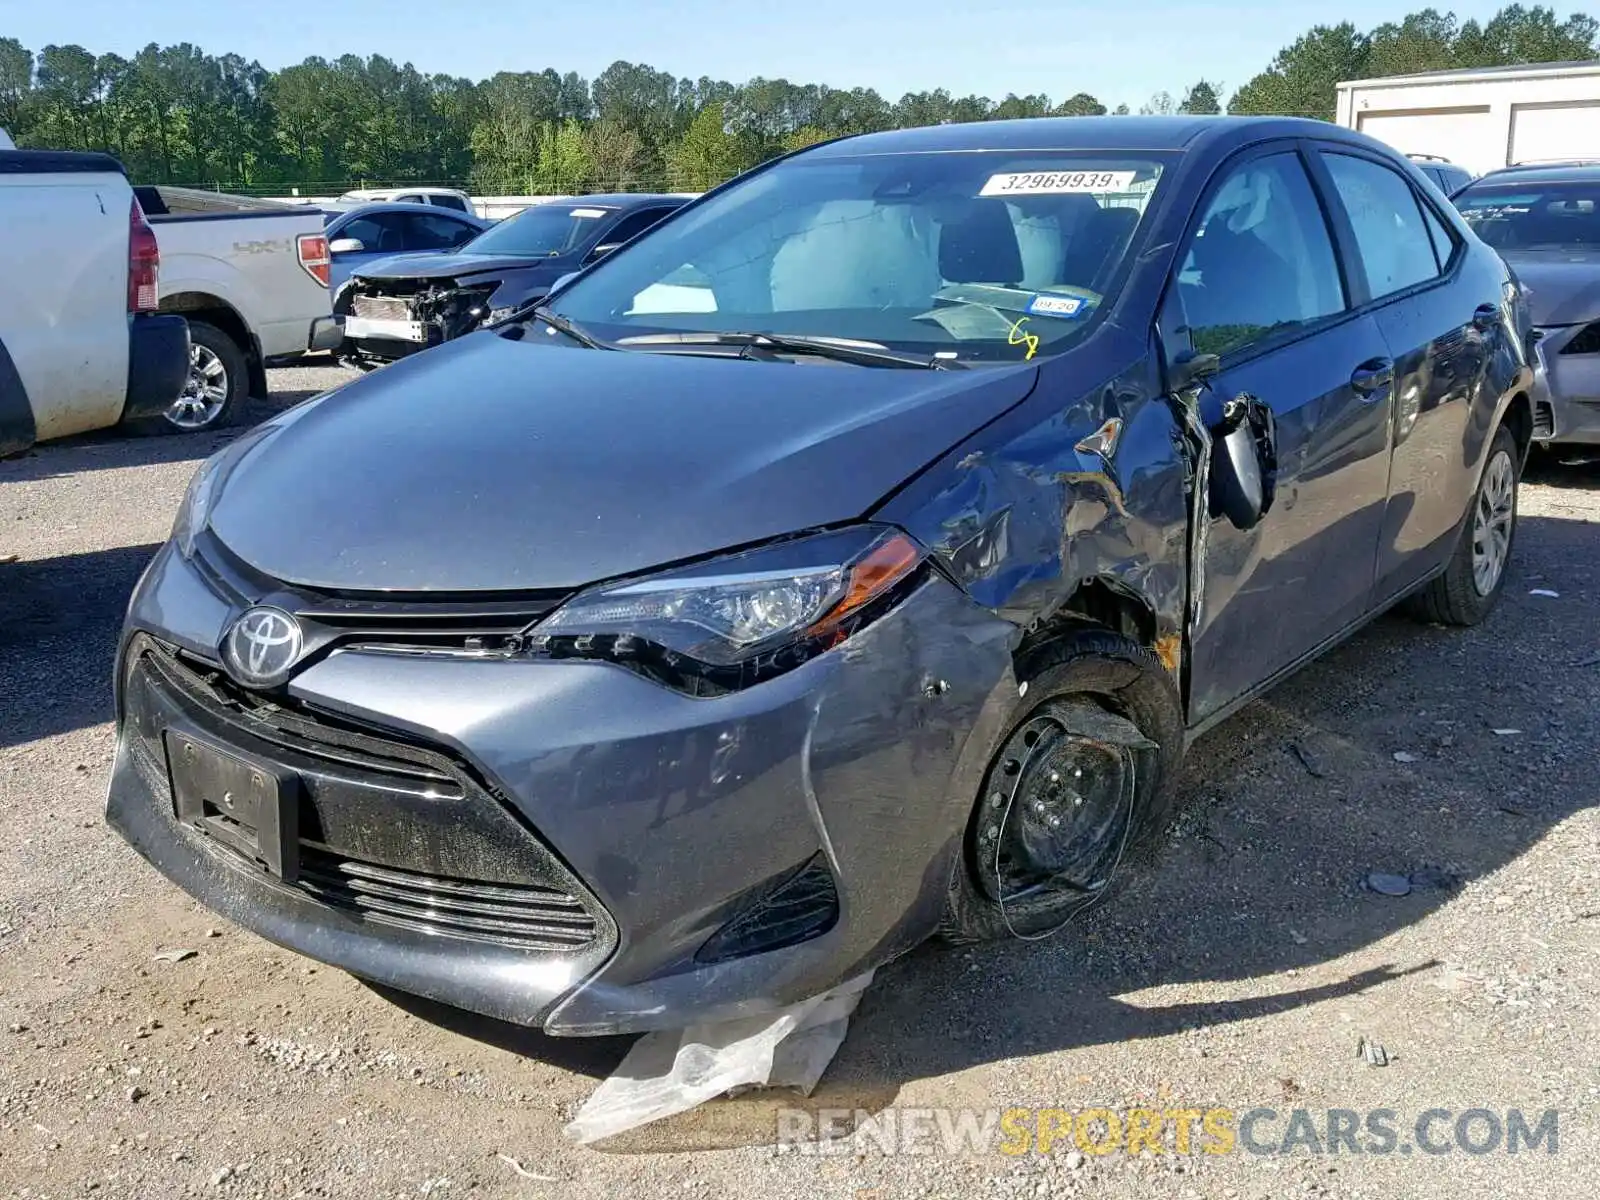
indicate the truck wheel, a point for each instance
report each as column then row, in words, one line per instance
column 1085, row 774
column 219, row 381
column 1471, row 585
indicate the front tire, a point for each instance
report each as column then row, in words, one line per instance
column 1471, row 585
column 1086, row 772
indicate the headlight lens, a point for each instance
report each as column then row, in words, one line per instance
column 196, row 507
column 195, row 510
column 740, row 617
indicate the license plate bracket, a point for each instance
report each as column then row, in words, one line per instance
column 386, row 328
column 241, row 802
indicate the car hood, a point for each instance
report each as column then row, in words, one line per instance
column 444, row 266
column 1563, row 286
column 475, row 468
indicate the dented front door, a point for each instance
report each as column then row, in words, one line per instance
column 1272, row 594
column 1259, row 285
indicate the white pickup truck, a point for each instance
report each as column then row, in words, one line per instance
column 81, row 346
column 251, row 277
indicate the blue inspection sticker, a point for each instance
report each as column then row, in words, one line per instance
column 1056, row 306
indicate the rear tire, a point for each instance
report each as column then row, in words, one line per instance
column 214, row 394
column 1083, row 688
column 1472, row 583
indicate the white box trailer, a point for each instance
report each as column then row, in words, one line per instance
column 1485, row 118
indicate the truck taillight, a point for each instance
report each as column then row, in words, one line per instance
column 314, row 256
column 144, row 263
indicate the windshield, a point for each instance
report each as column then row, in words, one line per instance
column 542, row 231
column 1553, row 216
column 986, row 256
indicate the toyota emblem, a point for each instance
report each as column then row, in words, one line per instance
column 262, row 647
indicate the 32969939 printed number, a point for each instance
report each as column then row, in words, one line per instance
column 1040, row 183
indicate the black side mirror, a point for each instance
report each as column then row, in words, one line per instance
column 1244, row 462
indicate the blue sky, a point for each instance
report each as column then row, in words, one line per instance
column 1120, row 52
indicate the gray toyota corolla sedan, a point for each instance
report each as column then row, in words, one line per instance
column 845, row 561
column 1545, row 222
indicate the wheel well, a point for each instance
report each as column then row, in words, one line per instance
column 201, row 306
column 1100, row 603
column 1519, row 419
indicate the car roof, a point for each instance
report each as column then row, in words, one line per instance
column 394, row 191
column 1085, row 133
column 1542, row 173
column 617, row 200
column 382, row 206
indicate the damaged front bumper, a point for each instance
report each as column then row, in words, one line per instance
column 1566, row 390
column 564, row 843
column 391, row 320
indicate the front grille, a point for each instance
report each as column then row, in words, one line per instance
column 528, row 916
column 1544, row 421
column 382, row 308
column 390, row 832
column 471, row 623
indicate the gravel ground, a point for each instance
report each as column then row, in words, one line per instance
column 1243, row 973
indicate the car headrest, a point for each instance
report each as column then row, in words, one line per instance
column 980, row 246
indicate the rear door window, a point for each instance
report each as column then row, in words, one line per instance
column 632, row 225
column 425, row 231
column 382, row 233
column 1391, row 233
column 1261, row 261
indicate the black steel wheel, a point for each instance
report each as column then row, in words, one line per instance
column 1084, row 775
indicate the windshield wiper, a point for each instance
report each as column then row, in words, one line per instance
column 561, row 325
column 790, row 343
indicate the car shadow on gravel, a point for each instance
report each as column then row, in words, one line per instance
column 112, row 448
column 59, row 621
column 1572, row 469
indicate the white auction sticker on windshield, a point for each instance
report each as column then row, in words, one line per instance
column 1058, row 183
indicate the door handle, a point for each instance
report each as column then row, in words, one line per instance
column 1485, row 317
column 1372, row 376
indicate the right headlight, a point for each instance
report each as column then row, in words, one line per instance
column 739, row 618
column 195, row 510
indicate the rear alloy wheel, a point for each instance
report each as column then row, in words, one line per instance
column 1493, row 516
column 1085, row 773
column 218, row 379
column 1471, row 584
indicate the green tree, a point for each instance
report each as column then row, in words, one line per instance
column 806, row 135
column 1517, row 35
column 1202, row 99
column 1082, row 105
column 68, row 94
column 1301, row 80
column 707, row 155
column 1422, row 41
column 16, row 86
column 615, row 155
column 562, row 165
column 1014, row 106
